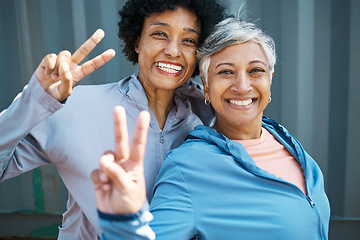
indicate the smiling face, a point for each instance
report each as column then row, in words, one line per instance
column 239, row 81
column 166, row 49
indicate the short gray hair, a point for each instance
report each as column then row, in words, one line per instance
column 229, row 32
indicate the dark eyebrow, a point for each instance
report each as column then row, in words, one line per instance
column 161, row 24
column 168, row 25
column 192, row 30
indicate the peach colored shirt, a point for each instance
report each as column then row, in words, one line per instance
column 272, row 156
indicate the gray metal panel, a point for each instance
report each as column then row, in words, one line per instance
column 352, row 153
column 28, row 31
column 339, row 87
column 322, row 66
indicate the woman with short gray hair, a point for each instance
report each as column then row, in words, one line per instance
column 230, row 32
column 245, row 177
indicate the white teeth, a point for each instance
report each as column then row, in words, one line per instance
column 170, row 68
column 241, row 103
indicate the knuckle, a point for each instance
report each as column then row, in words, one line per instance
column 94, row 65
column 50, row 56
column 65, row 53
column 83, row 50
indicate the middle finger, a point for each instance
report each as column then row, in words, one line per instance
column 88, row 46
column 121, row 134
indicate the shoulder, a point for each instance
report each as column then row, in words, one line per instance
column 288, row 140
column 193, row 92
column 277, row 130
column 92, row 89
column 198, row 147
column 100, row 92
column 191, row 84
column 121, row 86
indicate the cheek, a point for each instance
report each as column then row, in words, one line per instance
column 266, row 89
column 264, row 86
column 190, row 55
column 265, row 92
column 149, row 47
column 146, row 54
column 216, row 91
column 191, row 64
column 219, row 85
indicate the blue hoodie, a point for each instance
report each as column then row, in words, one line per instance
column 210, row 188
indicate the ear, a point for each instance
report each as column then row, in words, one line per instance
column 136, row 45
column 206, row 88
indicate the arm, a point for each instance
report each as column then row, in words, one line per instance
column 51, row 84
column 120, row 191
column 130, row 226
column 171, row 206
column 29, row 108
column 120, row 184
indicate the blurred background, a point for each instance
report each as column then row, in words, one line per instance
column 315, row 92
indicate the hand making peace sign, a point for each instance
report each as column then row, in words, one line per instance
column 58, row 74
column 120, row 183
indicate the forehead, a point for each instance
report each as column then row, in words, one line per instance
column 180, row 17
column 244, row 53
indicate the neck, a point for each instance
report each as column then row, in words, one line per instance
column 160, row 103
column 239, row 132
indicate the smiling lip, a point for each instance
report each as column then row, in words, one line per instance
column 169, row 68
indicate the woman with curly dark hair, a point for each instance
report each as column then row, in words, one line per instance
column 46, row 125
column 133, row 13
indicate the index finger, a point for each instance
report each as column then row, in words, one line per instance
column 121, row 134
column 88, row 46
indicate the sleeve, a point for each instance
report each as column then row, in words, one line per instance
column 123, row 227
column 171, row 205
column 171, row 208
column 29, row 108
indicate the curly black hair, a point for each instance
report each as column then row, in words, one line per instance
column 209, row 13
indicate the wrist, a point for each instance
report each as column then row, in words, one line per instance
column 124, row 217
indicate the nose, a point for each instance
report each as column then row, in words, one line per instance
column 241, row 83
column 172, row 48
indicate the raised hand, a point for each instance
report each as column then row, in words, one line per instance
column 120, row 183
column 58, row 74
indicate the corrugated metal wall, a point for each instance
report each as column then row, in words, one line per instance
column 315, row 91
column 31, row 204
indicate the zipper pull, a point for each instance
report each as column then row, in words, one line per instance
column 161, row 137
column 312, row 204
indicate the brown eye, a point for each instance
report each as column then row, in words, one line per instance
column 257, row 70
column 159, row 35
column 225, row 72
column 190, row 41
